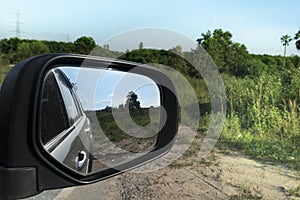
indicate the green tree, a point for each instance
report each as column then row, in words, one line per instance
column 28, row 49
column 285, row 40
column 84, row 45
column 38, row 47
column 297, row 38
column 9, row 44
column 229, row 56
column 23, row 51
column 59, row 47
column 8, row 48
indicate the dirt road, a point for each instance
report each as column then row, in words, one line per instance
column 228, row 177
column 220, row 176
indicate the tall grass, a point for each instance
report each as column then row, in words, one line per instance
column 261, row 121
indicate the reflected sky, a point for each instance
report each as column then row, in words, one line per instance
column 99, row 88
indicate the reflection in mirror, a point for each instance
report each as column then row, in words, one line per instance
column 92, row 119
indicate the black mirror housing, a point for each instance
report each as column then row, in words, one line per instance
column 25, row 168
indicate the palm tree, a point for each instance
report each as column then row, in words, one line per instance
column 297, row 38
column 285, row 40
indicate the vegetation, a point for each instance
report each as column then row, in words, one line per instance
column 3, row 70
column 263, row 91
column 245, row 193
column 297, row 38
column 263, row 120
column 263, row 97
column 295, row 192
column 14, row 50
column 118, row 135
column 229, row 56
column 84, row 45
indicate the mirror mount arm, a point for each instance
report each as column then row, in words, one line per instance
column 12, row 188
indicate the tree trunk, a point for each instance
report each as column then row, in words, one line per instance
column 284, row 53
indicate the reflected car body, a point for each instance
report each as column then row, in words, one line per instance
column 66, row 130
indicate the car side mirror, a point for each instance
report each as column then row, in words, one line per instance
column 69, row 120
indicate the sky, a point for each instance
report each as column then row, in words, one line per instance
column 258, row 24
column 99, row 88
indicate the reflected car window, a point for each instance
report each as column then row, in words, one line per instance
column 54, row 119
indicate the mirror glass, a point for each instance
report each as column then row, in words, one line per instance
column 92, row 119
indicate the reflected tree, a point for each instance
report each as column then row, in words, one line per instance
column 132, row 101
